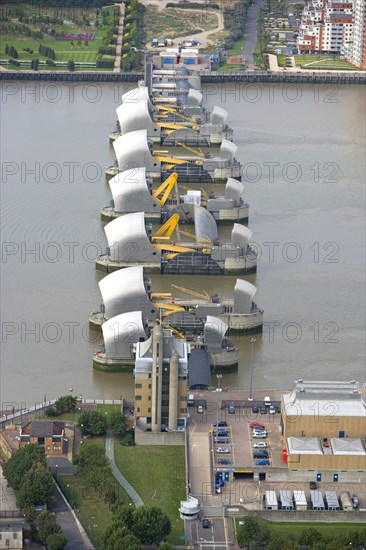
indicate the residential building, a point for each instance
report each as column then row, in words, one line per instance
column 11, row 536
column 356, row 49
column 326, row 27
column 45, row 433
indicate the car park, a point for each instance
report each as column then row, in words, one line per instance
column 222, row 450
column 263, row 462
column 255, row 409
column 220, row 424
column 260, row 445
column 259, row 425
column 222, row 460
column 206, row 523
column 272, row 410
column 263, row 409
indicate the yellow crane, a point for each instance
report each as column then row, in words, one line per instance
column 162, row 192
column 174, row 330
column 196, row 151
column 204, row 296
column 163, row 234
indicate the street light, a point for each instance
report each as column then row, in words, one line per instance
column 218, row 376
column 250, row 398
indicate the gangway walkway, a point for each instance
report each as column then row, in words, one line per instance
column 109, row 450
column 117, row 61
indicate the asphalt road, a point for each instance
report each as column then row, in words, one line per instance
column 251, row 34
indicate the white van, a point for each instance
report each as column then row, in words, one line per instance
column 190, row 401
column 267, row 401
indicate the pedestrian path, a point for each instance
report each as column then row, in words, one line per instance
column 109, row 450
column 117, row 61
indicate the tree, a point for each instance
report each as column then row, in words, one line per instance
column 150, row 525
column 56, row 541
column 165, row 546
column 116, row 422
column 252, row 532
column 66, row 403
column 310, row 536
column 279, row 542
column 91, row 456
column 92, row 423
column 123, row 515
column 36, row 488
column 46, row 525
column 20, row 462
column 111, row 539
column 70, row 65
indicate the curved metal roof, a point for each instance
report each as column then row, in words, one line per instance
column 131, row 193
column 136, row 94
column 228, row 150
column 204, row 224
column 124, row 290
column 194, row 98
column 121, row 332
column 136, row 116
column 128, row 240
column 132, row 150
column 219, row 115
column 240, row 235
column 214, row 332
column 234, row 190
column 199, row 372
column 244, row 293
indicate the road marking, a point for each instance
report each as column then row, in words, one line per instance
column 225, row 533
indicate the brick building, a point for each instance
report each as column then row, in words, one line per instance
column 46, row 433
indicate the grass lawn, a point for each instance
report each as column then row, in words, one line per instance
column 226, row 67
column 237, row 48
column 317, row 62
column 156, row 470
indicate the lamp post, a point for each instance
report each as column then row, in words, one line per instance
column 250, row 398
column 218, row 376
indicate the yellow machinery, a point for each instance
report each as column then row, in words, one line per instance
column 162, row 193
column 163, row 234
column 204, row 296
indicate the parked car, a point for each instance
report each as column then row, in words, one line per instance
column 221, row 439
column 222, row 450
column 255, row 409
column 260, row 445
column 267, row 401
column 272, row 410
column 200, row 408
column 263, row 462
column 278, row 408
column 259, row 435
column 263, row 409
column 259, row 425
column 257, row 454
column 221, row 431
column 355, row 502
column 258, row 431
column 220, row 423
column 222, row 460
column 206, row 523
column 231, row 409
column 313, row 485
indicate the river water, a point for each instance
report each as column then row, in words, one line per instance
column 302, row 149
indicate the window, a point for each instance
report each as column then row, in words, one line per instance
column 138, row 409
column 183, row 410
column 138, row 385
column 149, row 410
column 183, row 398
column 15, row 536
column 138, row 397
column 149, row 386
column 149, row 398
